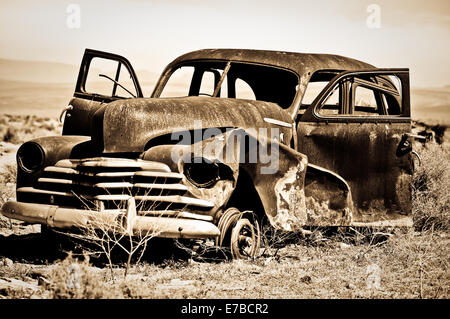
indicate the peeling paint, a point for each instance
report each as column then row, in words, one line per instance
column 291, row 205
column 218, row 194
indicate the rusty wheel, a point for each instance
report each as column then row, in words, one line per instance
column 238, row 234
column 228, row 218
column 245, row 239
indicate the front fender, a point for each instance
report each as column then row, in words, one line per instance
column 277, row 171
column 55, row 148
column 282, row 190
column 278, row 174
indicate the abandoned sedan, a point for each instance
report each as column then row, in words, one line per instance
column 228, row 140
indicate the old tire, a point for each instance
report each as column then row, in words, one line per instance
column 245, row 239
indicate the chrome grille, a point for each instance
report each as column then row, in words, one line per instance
column 107, row 183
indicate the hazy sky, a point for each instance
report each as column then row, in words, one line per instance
column 413, row 34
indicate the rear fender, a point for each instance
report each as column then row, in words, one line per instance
column 328, row 198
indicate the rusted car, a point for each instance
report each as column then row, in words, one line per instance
column 227, row 140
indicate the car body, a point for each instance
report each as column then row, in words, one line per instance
column 309, row 139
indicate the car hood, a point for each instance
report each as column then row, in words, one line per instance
column 129, row 125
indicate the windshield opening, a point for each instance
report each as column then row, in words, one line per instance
column 241, row 81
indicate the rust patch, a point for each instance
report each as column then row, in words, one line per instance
column 218, row 194
column 328, row 201
column 320, row 214
column 291, row 205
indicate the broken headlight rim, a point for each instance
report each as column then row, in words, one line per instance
column 201, row 172
column 30, row 157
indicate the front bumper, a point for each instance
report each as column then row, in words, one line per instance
column 123, row 195
column 126, row 221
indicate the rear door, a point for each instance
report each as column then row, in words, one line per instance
column 103, row 77
column 355, row 127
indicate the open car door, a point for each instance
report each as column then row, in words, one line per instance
column 103, row 77
column 355, row 127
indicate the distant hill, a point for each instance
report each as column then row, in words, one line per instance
column 42, row 99
column 53, row 72
column 431, row 104
column 37, row 71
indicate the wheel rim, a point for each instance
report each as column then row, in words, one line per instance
column 245, row 239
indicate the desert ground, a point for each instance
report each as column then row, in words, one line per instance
column 329, row 263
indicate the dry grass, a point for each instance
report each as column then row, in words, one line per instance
column 412, row 265
column 74, row 279
column 431, row 188
column 7, row 184
column 17, row 129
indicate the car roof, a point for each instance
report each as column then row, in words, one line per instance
column 301, row 63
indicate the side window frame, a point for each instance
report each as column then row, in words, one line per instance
column 377, row 90
column 312, row 113
column 343, row 88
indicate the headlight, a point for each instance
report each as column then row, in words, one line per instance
column 204, row 174
column 30, row 157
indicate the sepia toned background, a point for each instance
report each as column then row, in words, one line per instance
column 42, row 42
